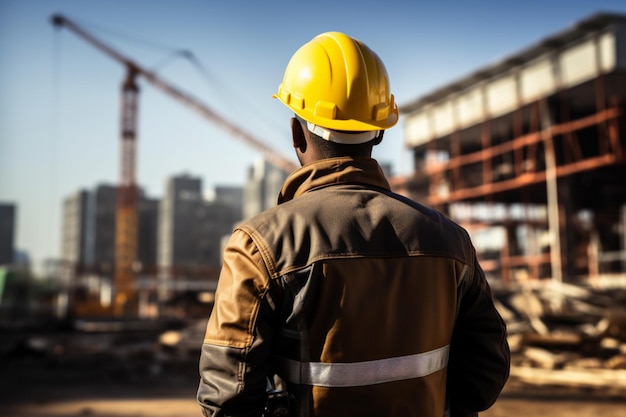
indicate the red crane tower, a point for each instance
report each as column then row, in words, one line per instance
column 125, row 302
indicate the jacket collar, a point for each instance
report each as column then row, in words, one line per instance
column 332, row 171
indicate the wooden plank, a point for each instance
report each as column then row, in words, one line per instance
column 593, row 378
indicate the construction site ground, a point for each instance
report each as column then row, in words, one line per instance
column 32, row 387
column 568, row 344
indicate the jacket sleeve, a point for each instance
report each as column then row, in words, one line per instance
column 235, row 357
column 479, row 360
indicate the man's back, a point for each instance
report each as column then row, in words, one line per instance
column 362, row 293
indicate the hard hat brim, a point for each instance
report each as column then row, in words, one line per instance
column 349, row 125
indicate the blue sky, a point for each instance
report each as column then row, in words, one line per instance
column 59, row 96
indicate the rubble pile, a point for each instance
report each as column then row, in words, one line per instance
column 560, row 334
column 566, row 335
column 120, row 350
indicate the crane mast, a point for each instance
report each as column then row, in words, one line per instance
column 126, row 213
column 125, row 301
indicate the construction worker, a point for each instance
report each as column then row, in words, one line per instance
column 353, row 300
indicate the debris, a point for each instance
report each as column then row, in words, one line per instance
column 584, row 378
column 562, row 334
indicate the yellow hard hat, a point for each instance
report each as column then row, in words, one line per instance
column 337, row 82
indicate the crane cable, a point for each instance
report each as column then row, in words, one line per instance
column 53, row 151
column 226, row 95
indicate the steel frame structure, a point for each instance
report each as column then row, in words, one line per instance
column 546, row 147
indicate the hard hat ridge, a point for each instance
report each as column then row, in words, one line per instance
column 337, row 82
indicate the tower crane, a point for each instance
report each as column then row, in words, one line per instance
column 125, row 302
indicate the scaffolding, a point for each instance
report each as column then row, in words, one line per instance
column 529, row 156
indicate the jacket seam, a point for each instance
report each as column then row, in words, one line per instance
column 287, row 270
column 263, row 247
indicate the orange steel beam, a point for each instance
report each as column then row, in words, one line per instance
column 485, row 153
column 523, row 260
column 525, row 140
column 572, row 150
column 518, row 132
column 523, row 180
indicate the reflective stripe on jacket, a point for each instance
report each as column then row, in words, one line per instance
column 362, row 301
column 356, row 374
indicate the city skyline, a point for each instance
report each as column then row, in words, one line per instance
column 258, row 194
column 59, row 116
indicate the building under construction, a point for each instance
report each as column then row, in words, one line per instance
column 529, row 154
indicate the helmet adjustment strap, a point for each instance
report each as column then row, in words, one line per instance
column 348, row 138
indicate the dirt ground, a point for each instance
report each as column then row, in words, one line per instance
column 186, row 407
column 555, row 402
column 29, row 392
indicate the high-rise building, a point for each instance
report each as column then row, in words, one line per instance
column 100, row 240
column 74, row 229
column 147, row 234
column 232, row 197
column 182, row 195
column 7, row 233
column 88, row 235
column 191, row 228
column 262, row 187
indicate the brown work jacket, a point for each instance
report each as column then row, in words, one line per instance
column 363, row 302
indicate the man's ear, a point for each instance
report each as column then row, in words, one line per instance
column 297, row 135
